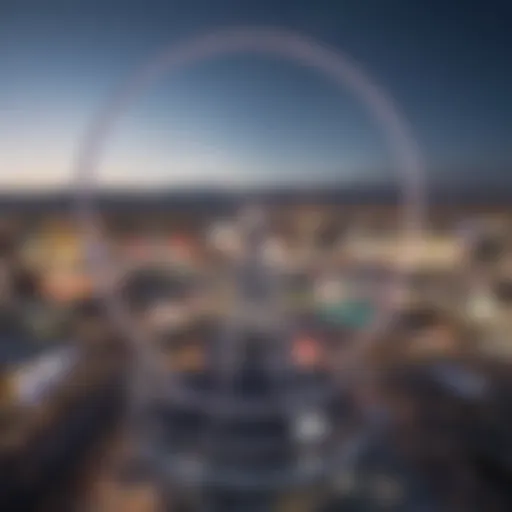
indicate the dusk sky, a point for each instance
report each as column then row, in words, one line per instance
column 245, row 119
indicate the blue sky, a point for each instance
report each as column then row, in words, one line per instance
column 240, row 120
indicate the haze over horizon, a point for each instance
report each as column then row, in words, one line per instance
column 241, row 121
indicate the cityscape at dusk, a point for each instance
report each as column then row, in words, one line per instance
column 255, row 256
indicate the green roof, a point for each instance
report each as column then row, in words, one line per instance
column 356, row 314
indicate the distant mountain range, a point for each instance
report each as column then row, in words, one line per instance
column 213, row 198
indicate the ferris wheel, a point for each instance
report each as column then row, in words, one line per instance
column 251, row 421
